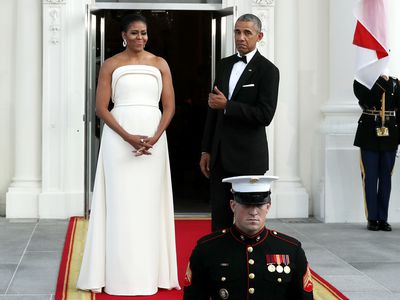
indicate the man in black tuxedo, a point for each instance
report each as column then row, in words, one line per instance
column 241, row 104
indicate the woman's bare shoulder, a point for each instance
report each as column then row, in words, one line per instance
column 160, row 63
column 115, row 61
column 110, row 64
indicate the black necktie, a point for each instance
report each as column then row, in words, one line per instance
column 238, row 58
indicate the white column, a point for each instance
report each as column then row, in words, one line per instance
column 64, row 43
column 8, row 13
column 394, row 66
column 22, row 195
column 394, row 39
column 341, row 195
column 291, row 198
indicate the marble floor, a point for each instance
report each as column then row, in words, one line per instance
column 364, row 265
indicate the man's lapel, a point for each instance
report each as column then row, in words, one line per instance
column 226, row 74
column 247, row 72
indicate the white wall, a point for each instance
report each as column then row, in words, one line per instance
column 341, row 197
column 394, row 41
column 327, row 108
column 7, row 61
column 48, row 180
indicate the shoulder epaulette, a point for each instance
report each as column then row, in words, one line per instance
column 212, row 236
column 284, row 237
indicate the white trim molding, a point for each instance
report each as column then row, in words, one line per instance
column 263, row 3
column 54, row 2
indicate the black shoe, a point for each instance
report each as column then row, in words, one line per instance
column 384, row 226
column 373, row 225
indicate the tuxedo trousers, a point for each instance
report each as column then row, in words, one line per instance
column 220, row 196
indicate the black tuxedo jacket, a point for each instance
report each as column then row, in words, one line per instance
column 237, row 134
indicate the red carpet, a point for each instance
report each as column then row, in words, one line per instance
column 187, row 233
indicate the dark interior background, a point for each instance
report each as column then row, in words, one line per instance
column 183, row 39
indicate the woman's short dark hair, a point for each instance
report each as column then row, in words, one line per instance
column 129, row 19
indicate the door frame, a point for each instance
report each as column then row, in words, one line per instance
column 224, row 18
column 156, row 6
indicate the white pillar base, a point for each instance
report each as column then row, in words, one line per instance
column 60, row 205
column 342, row 197
column 290, row 200
column 22, row 202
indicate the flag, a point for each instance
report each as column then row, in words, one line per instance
column 370, row 37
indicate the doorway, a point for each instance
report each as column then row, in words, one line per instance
column 187, row 41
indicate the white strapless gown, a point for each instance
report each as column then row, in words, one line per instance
column 130, row 246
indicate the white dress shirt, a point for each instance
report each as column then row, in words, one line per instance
column 237, row 71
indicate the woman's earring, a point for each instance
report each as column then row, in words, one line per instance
column 124, row 43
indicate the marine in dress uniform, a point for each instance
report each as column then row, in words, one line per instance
column 232, row 264
column 378, row 138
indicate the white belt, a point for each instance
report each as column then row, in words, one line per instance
column 134, row 104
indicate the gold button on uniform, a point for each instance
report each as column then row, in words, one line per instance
column 251, row 262
column 251, row 291
column 223, row 278
column 251, row 275
column 250, row 249
column 279, row 279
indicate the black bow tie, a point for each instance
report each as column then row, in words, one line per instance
column 243, row 59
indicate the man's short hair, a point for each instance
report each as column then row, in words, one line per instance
column 251, row 18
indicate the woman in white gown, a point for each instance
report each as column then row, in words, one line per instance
column 130, row 246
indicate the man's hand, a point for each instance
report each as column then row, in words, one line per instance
column 205, row 164
column 216, row 99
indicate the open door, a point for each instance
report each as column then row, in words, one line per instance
column 95, row 57
column 222, row 36
column 191, row 41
